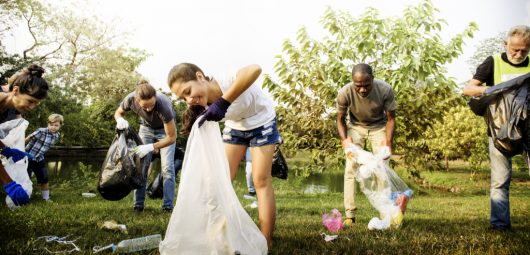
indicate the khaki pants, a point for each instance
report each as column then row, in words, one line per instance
column 359, row 136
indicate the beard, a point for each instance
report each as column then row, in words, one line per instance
column 516, row 61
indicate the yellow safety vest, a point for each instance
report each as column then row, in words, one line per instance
column 503, row 71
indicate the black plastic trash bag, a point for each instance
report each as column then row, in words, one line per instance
column 122, row 170
column 156, row 187
column 505, row 107
column 506, row 121
column 279, row 165
column 179, row 154
column 480, row 104
column 526, row 140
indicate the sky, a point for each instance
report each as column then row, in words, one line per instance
column 222, row 36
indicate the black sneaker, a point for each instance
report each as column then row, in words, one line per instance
column 500, row 229
column 167, row 210
column 138, row 208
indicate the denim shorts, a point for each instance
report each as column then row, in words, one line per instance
column 260, row 136
column 40, row 170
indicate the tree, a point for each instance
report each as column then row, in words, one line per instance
column 10, row 64
column 487, row 47
column 407, row 52
column 8, row 16
column 88, row 71
column 11, row 13
column 73, row 47
column 110, row 72
column 40, row 23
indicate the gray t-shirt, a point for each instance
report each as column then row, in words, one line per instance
column 161, row 113
column 370, row 111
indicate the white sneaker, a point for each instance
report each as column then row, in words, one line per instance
column 249, row 197
column 254, row 205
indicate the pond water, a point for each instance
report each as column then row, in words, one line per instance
column 60, row 169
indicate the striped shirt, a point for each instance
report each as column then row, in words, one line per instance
column 40, row 142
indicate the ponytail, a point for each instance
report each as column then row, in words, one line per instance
column 30, row 82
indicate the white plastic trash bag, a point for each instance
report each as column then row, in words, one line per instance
column 387, row 193
column 208, row 217
column 12, row 135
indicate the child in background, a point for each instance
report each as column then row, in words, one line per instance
column 37, row 144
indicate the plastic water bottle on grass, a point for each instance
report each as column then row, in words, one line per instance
column 138, row 244
column 132, row 245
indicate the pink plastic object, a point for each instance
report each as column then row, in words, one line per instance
column 402, row 201
column 333, row 221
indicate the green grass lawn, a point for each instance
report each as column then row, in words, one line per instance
column 436, row 222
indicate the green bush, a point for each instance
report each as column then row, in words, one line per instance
column 459, row 135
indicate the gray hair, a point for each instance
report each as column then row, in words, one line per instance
column 521, row 30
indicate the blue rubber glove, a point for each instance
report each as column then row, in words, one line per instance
column 16, row 154
column 16, row 193
column 216, row 111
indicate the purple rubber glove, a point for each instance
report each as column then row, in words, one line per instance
column 16, row 193
column 16, row 154
column 216, row 111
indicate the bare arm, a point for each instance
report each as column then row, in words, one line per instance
column 343, row 130
column 244, row 78
column 390, row 128
column 4, row 177
column 119, row 113
column 27, row 139
column 171, row 136
column 474, row 88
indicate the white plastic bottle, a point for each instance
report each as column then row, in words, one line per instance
column 138, row 244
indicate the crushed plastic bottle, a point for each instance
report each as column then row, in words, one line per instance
column 329, row 238
column 113, row 225
column 138, row 244
column 133, row 245
column 88, row 194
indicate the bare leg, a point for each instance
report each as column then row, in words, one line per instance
column 261, row 173
column 234, row 154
